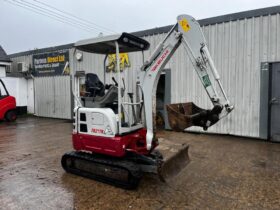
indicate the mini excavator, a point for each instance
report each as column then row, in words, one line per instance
column 114, row 136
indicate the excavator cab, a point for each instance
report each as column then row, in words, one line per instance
column 111, row 91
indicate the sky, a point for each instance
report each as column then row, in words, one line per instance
column 22, row 29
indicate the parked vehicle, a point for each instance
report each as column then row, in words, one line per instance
column 7, row 104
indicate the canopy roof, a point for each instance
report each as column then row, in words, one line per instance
column 106, row 45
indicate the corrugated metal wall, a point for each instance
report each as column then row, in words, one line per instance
column 238, row 48
column 53, row 97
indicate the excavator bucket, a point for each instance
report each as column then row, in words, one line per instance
column 184, row 115
column 175, row 159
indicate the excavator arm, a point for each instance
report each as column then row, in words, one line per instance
column 187, row 32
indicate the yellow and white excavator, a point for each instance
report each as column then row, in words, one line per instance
column 114, row 131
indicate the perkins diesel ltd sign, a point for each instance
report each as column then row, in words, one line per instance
column 53, row 63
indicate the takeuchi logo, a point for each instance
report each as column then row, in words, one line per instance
column 159, row 61
column 96, row 130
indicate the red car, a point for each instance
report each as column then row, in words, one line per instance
column 7, row 104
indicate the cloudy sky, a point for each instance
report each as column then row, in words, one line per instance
column 23, row 29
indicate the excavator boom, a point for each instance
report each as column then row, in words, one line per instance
column 187, row 32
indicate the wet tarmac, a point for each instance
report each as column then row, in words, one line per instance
column 224, row 173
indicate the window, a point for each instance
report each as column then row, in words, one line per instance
column 8, row 68
column 83, row 128
column 83, row 117
column 3, row 91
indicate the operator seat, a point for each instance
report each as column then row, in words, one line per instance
column 96, row 96
column 109, row 98
column 94, row 87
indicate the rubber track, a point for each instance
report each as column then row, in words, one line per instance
column 132, row 168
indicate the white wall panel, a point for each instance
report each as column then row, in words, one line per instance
column 30, row 96
column 53, row 97
column 17, row 87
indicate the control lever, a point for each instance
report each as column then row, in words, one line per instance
column 116, row 83
column 123, row 83
column 123, row 89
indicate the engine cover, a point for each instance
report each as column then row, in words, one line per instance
column 95, row 121
column 96, row 130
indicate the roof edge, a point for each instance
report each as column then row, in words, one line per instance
column 240, row 15
column 216, row 20
column 159, row 30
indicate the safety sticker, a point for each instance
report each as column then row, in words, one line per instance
column 184, row 24
column 206, row 81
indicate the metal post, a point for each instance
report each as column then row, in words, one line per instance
column 119, row 86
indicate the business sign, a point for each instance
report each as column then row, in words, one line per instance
column 52, row 63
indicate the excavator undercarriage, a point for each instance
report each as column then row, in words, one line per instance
column 119, row 172
column 126, row 172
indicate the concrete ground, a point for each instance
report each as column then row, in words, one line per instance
column 225, row 173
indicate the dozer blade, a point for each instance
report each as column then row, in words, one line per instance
column 184, row 115
column 175, row 159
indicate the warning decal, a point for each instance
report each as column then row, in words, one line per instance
column 184, row 24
